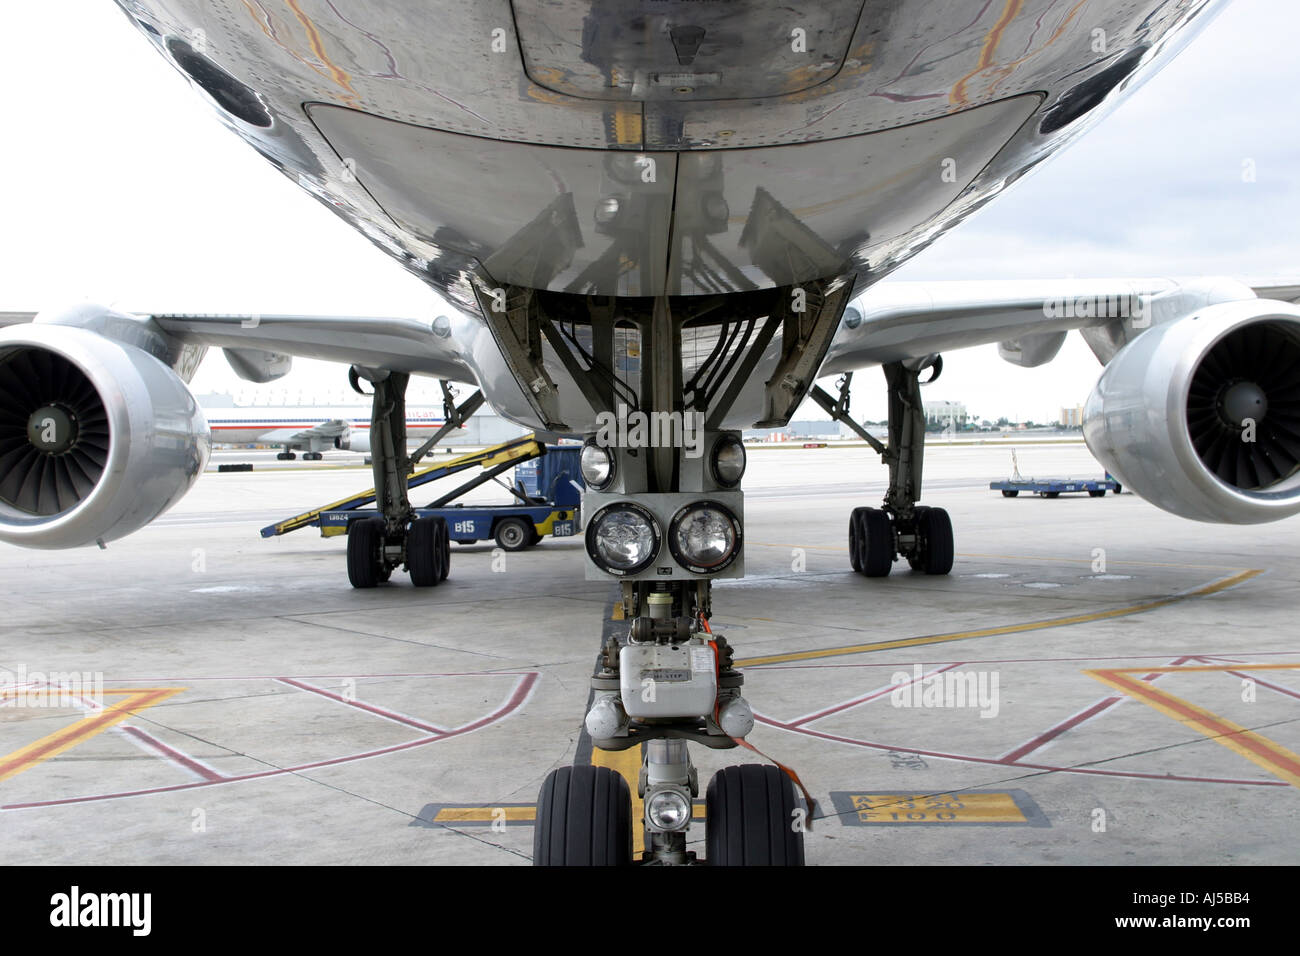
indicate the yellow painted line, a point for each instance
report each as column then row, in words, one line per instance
column 51, row 745
column 627, row 763
column 1109, row 561
column 1026, row 557
column 1259, row 750
column 1092, row 616
column 894, row 808
column 485, row 814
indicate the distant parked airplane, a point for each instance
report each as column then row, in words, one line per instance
column 311, row 429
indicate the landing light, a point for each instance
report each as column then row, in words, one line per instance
column 669, row 810
column 728, row 461
column 597, row 465
column 704, row 537
column 623, row 538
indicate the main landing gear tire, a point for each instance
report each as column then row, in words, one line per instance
column 366, row 553
column 871, row 542
column 514, row 534
column 312, row 456
column 1010, row 492
column 445, row 536
column 934, row 542
column 751, row 817
column 855, row 540
column 286, row 456
column 584, row 818
column 426, row 551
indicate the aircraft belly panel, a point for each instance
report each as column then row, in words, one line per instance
column 682, row 50
column 803, row 212
column 636, row 224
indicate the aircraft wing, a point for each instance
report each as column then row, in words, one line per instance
column 897, row 321
column 1283, row 291
column 434, row 347
column 325, row 431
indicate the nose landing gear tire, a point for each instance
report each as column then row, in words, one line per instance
column 584, row 818
column 751, row 818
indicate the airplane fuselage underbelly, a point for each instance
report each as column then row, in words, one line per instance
column 674, row 147
column 669, row 223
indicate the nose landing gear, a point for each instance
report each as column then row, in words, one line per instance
column 667, row 682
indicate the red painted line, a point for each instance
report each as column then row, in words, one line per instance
column 875, row 694
column 966, row 758
column 359, row 705
column 186, row 680
column 1017, row 660
column 172, row 754
column 419, row 426
column 523, row 688
column 1034, row 743
column 1047, row 736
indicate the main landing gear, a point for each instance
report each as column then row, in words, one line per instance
column 378, row 546
column 288, row 455
column 901, row 528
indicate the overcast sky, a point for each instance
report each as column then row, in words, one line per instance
column 120, row 187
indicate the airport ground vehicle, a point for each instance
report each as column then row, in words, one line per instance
column 1055, row 487
column 548, row 490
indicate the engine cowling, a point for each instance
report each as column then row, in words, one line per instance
column 354, row 440
column 97, row 438
column 1201, row 416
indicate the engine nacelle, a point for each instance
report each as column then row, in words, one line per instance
column 97, row 438
column 354, row 440
column 1201, row 416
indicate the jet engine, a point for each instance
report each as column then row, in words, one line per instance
column 1201, row 415
column 97, row 437
column 354, row 440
